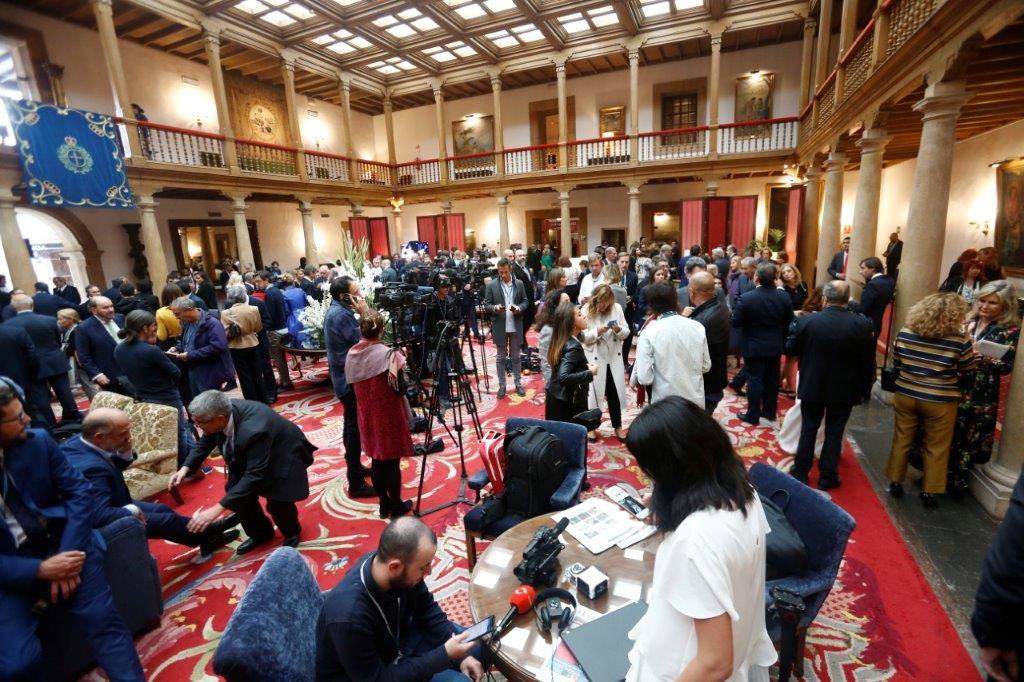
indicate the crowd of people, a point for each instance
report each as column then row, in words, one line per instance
column 651, row 323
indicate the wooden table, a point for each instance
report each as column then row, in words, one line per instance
column 310, row 355
column 523, row 648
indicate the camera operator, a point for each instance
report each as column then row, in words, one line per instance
column 440, row 308
column 505, row 301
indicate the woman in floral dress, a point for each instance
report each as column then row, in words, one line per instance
column 993, row 318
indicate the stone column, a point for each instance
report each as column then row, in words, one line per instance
column 831, row 216
column 807, row 56
column 925, row 233
column 847, row 25
column 865, row 208
column 821, row 62
column 633, row 227
column 346, row 118
column 308, row 234
column 356, row 209
column 288, row 73
column 808, row 246
column 713, row 86
column 442, row 138
column 103, row 11
column 245, row 253
column 499, row 132
column 395, row 225
column 504, row 239
column 565, row 226
column 563, row 118
column 634, row 106
column 152, row 241
column 993, row 482
column 220, row 97
column 21, row 274
column 389, row 126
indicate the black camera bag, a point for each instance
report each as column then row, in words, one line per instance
column 535, row 468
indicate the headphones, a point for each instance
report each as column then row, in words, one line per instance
column 549, row 609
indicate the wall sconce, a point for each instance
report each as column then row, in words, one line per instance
column 980, row 226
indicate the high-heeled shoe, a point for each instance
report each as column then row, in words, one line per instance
column 621, row 434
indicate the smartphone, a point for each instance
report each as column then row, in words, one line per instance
column 478, row 630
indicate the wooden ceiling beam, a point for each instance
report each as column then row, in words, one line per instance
column 160, row 34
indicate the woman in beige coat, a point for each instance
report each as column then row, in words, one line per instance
column 241, row 324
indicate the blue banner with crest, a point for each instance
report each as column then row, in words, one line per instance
column 69, row 157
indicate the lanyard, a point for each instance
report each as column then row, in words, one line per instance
column 398, row 622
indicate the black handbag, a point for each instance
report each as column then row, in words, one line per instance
column 589, row 419
column 785, row 552
column 890, row 373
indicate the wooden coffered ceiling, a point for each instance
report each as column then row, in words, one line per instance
column 402, row 45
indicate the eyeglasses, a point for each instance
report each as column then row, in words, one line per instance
column 16, row 418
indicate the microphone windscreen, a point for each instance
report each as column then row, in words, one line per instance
column 523, row 598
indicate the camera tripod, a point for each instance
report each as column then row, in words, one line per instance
column 462, row 403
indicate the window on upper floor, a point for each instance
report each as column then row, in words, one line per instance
column 13, row 85
column 678, row 110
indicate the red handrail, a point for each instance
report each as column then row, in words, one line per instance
column 329, row 155
column 856, row 43
column 673, row 131
column 417, row 162
column 535, row 147
column 824, row 83
column 807, row 109
column 268, row 145
column 183, row 131
column 763, row 121
column 599, row 139
column 887, row 4
column 374, row 163
column 476, row 155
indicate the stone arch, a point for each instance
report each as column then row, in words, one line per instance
column 78, row 231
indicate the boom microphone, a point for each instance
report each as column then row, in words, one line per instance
column 521, row 601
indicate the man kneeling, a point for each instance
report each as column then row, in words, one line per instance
column 381, row 622
column 102, row 452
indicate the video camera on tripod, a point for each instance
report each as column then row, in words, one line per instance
column 539, row 558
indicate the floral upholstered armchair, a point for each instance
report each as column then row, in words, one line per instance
column 155, row 437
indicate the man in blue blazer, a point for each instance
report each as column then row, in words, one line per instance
column 839, row 265
column 762, row 316
column 268, row 369
column 101, row 453
column 66, row 291
column 53, row 364
column 48, row 551
column 278, row 327
column 19, row 362
column 878, row 291
column 95, row 341
column 46, row 303
column 204, row 348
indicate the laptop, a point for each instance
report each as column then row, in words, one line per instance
column 601, row 646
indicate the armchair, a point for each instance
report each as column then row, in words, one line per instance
column 824, row 528
column 574, row 438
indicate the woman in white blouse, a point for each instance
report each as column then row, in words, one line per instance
column 602, row 342
column 706, row 616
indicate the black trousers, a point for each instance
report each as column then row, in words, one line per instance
column 386, row 476
column 256, row 524
column 250, row 373
column 611, row 395
column 269, row 382
column 558, row 410
column 762, row 387
column 61, row 385
column 835, row 416
column 350, row 437
column 164, row 523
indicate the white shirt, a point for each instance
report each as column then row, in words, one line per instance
column 672, row 357
column 713, row 563
column 17, row 532
column 588, row 284
column 508, row 292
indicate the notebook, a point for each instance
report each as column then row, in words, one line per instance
column 601, row 646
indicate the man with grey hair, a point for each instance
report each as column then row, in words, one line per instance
column 837, row 369
column 720, row 260
column 242, row 325
column 204, row 348
column 741, row 285
column 265, row 456
column 593, row 278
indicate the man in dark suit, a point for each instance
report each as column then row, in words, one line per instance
column 47, row 551
column 762, row 316
column 745, row 282
column 19, row 362
column 114, row 292
column 308, row 283
column 388, row 274
column 708, row 309
column 266, row 456
column 277, row 329
column 840, row 262
column 836, row 354
column 91, row 291
column 631, row 283
column 95, row 341
column 523, row 274
column 505, row 301
column 893, row 254
column 206, row 291
column 264, row 345
column 101, row 453
column 46, row 303
column 53, row 363
column 878, row 290
column 66, row 291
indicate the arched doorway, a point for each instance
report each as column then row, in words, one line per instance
column 55, row 250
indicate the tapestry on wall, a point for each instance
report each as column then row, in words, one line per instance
column 1010, row 216
column 69, row 157
column 258, row 110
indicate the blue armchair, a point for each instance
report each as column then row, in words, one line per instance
column 272, row 633
column 135, row 584
column 824, row 528
column 574, row 438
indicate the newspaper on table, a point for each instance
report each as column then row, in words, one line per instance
column 599, row 524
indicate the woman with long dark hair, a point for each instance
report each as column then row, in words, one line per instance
column 706, row 616
column 570, row 373
column 542, row 323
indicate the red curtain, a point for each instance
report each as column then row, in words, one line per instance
column 794, row 213
column 457, row 231
column 379, row 245
column 691, row 222
column 425, row 231
column 718, row 221
column 742, row 216
column 360, row 228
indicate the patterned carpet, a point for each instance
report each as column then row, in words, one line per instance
column 882, row 621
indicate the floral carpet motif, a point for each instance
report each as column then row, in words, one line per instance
column 882, row 621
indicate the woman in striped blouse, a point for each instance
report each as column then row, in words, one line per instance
column 931, row 352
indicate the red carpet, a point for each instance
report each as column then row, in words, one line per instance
column 882, row 621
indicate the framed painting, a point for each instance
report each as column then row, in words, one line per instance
column 473, row 135
column 1009, row 234
column 754, row 102
column 612, row 121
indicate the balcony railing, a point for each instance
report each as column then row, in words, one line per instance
column 415, row 173
column 905, row 18
column 826, row 97
column 326, row 166
column 856, row 62
column 181, row 146
column 472, row 166
column 681, row 143
column 373, row 173
column 263, row 157
column 521, row 160
column 749, row 137
column 600, row 151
